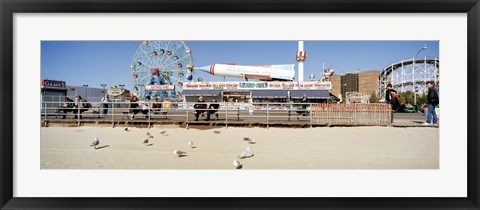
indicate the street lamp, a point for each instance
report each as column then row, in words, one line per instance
column 103, row 85
column 413, row 76
column 86, row 91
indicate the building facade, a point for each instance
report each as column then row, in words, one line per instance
column 361, row 82
column 336, row 85
column 368, row 81
column 349, row 83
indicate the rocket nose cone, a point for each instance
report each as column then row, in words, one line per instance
column 204, row 68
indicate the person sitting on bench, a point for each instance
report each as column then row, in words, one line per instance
column 213, row 108
column 67, row 107
column 136, row 107
column 200, row 107
column 82, row 106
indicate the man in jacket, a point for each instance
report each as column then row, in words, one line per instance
column 391, row 97
column 433, row 101
column 105, row 102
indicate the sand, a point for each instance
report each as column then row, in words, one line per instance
column 276, row 148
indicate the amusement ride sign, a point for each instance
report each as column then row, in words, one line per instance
column 159, row 87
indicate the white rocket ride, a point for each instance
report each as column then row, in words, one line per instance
column 262, row 72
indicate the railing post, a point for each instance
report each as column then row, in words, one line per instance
column 226, row 116
column 311, row 118
column 45, row 104
column 148, row 112
column 186, row 108
column 113, row 114
column 354, row 113
column 78, row 114
column 268, row 115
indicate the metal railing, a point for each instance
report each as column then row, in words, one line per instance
column 187, row 112
column 173, row 111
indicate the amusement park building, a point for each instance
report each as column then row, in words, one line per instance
column 257, row 91
column 57, row 90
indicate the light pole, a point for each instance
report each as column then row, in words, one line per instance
column 86, row 91
column 103, row 85
column 413, row 76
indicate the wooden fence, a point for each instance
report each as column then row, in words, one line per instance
column 351, row 114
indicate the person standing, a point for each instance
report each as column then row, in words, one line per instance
column 105, row 101
column 304, row 101
column 433, row 101
column 391, row 97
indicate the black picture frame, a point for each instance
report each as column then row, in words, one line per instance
column 10, row 7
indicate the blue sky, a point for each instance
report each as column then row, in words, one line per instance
column 97, row 62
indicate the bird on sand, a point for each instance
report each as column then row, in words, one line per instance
column 145, row 141
column 95, row 143
column 126, row 129
column 246, row 153
column 236, row 164
column 163, row 132
column 149, row 136
column 179, row 153
column 190, row 143
column 249, row 140
column 216, row 132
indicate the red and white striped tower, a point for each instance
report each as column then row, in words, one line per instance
column 301, row 56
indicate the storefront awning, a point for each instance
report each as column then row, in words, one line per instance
column 201, row 92
column 269, row 94
column 311, row 94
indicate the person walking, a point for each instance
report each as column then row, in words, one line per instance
column 433, row 101
column 391, row 97
column 105, row 101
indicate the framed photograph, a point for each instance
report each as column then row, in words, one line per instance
column 239, row 105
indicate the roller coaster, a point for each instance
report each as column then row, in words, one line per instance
column 408, row 75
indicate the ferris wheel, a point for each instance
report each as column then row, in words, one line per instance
column 160, row 68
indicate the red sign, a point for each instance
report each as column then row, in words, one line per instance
column 160, row 87
column 45, row 83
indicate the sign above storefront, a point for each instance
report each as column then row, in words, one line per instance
column 55, row 84
column 257, row 85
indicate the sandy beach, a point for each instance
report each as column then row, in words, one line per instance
column 275, row 148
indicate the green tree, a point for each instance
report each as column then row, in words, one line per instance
column 406, row 97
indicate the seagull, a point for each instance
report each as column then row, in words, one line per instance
column 95, row 143
column 149, row 136
column 236, row 163
column 126, row 129
column 249, row 140
column 163, row 132
column 216, row 132
column 179, row 153
column 190, row 143
column 246, row 153
column 145, row 141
